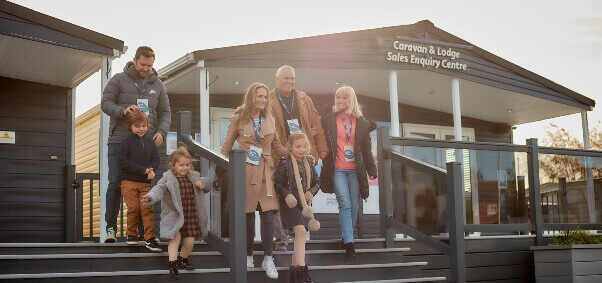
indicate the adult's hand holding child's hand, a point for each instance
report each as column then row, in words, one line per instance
column 199, row 184
column 145, row 199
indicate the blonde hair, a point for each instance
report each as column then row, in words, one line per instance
column 354, row 108
column 181, row 151
column 296, row 136
column 248, row 103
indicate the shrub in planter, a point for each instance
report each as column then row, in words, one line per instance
column 575, row 237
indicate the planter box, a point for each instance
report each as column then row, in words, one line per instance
column 576, row 263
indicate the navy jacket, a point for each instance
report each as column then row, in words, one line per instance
column 135, row 155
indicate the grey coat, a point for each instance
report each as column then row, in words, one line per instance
column 121, row 92
column 167, row 191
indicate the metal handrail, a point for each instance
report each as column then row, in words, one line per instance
column 235, row 249
column 402, row 141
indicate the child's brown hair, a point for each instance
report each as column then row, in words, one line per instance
column 181, row 151
column 136, row 117
column 296, row 136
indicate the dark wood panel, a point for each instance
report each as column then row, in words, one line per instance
column 33, row 111
column 32, row 194
column 30, row 181
column 32, row 209
column 33, row 167
column 16, row 152
column 17, row 124
column 41, row 223
column 32, row 97
column 38, row 139
column 14, row 84
column 27, row 236
column 499, row 272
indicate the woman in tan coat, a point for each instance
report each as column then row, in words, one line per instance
column 254, row 129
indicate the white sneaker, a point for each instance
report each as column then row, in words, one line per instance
column 110, row 236
column 250, row 263
column 269, row 267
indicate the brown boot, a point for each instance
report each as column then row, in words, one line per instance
column 294, row 271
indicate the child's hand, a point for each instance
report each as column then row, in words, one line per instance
column 199, row 184
column 291, row 201
column 145, row 199
column 151, row 173
column 309, row 197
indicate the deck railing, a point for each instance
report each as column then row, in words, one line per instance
column 397, row 171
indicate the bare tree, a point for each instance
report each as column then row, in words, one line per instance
column 572, row 167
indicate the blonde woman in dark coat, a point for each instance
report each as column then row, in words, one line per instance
column 254, row 129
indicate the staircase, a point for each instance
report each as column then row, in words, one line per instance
column 93, row 262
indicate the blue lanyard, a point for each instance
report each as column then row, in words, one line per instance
column 284, row 105
column 347, row 133
column 141, row 91
column 257, row 130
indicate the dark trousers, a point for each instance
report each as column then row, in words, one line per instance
column 267, row 231
column 114, row 189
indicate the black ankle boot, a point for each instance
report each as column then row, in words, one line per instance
column 304, row 274
column 294, row 270
column 173, row 271
column 183, row 263
column 349, row 249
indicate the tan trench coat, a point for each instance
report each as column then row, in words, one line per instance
column 260, row 184
column 309, row 119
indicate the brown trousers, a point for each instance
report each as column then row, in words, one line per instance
column 132, row 192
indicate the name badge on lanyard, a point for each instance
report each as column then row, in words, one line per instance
column 293, row 125
column 142, row 102
column 254, row 155
column 143, row 105
column 348, row 149
column 255, row 151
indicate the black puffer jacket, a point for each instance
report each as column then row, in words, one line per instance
column 285, row 183
column 121, row 92
column 364, row 161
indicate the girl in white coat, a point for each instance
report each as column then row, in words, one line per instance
column 183, row 211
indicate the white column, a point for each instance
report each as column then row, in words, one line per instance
column 394, row 104
column 591, row 204
column 457, row 114
column 204, row 107
column 456, row 111
column 105, row 76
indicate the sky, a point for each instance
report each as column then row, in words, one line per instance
column 559, row 40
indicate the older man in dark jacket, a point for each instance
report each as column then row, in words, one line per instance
column 137, row 87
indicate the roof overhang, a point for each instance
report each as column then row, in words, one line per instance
column 499, row 91
column 39, row 48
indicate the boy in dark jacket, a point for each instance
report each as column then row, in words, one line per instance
column 138, row 160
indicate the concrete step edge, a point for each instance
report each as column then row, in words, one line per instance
column 406, row 280
column 213, row 270
column 158, row 254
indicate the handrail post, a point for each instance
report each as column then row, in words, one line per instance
column 184, row 124
column 238, row 230
column 384, row 184
column 534, row 190
column 70, row 205
column 456, row 222
column 562, row 199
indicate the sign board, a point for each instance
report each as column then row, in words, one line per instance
column 7, row 137
column 426, row 56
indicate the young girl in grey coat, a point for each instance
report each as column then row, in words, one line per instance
column 183, row 211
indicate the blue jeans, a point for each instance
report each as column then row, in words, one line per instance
column 114, row 189
column 347, row 190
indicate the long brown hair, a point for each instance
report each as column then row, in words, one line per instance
column 248, row 103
